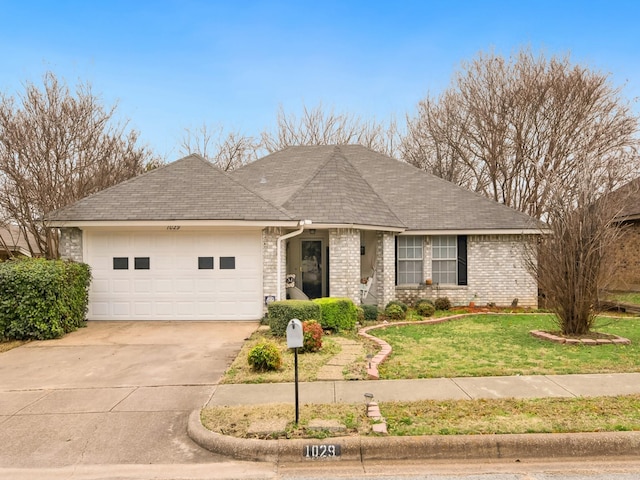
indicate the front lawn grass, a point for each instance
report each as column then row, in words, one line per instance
column 496, row 345
column 431, row 417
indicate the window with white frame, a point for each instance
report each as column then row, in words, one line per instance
column 444, row 254
column 409, row 257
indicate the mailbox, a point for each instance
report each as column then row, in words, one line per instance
column 295, row 338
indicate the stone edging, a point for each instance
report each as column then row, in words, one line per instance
column 430, row 447
column 385, row 348
column 542, row 335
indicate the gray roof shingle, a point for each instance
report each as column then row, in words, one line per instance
column 188, row 189
column 345, row 184
column 353, row 184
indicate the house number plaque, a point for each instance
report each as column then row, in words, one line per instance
column 321, row 451
column 173, row 227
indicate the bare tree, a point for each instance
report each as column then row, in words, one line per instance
column 226, row 151
column 573, row 260
column 523, row 129
column 319, row 127
column 55, row 148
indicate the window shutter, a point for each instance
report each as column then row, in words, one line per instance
column 462, row 260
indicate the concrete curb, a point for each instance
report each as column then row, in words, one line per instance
column 445, row 447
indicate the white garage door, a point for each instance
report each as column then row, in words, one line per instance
column 175, row 275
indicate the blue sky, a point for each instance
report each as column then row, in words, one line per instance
column 177, row 64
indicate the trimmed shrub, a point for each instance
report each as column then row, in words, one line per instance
column 425, row 309
column 312, row 336
column 360, row 314
column 402, row 305
column 423, row 300
column 442, row 303
column 265, row 356
column 395, row 312
column 42, row 299
column 371, row 312
column 280, row 314
column 337, row 313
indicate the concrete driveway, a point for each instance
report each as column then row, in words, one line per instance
column 112, row 393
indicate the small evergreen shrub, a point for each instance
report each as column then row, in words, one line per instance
column 360, row 314
column 265, row 356
column 442, row 303
column 42, row 299
column 337, row 313
column 280, row 314
column 402, row 305
column 425, row 309
column 312, row 336
column 395, row 312
column 423, row 300
column 371, row 312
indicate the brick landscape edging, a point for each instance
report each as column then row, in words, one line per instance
column 385, row 348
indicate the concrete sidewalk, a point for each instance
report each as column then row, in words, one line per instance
column 468, row 388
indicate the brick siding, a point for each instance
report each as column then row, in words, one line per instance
column 70, row 247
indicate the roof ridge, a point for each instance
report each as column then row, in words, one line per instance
column 314, row 174
column 373, row 190
column 259, row 195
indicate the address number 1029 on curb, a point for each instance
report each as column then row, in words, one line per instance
column 321, row 451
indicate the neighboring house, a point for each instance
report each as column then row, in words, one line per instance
column 13, row 243
column 626, row 256
column 188, row 241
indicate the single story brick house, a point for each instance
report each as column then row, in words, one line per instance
column 188, row 241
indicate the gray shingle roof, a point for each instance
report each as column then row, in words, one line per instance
column 188, row 189
column 353, row 184
column 346, row 184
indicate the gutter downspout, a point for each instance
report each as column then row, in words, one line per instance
column 301, row 224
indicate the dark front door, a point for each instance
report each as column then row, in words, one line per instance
column 312, row 268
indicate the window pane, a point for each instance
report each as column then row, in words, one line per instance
column 120, row 263
column 409, row 272
column 205, row 263
column 227, row 263
column 141, row 263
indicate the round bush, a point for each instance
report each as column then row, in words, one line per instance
column 370, row 312
column 395, row 312
column 312, row 336
column 442, row 303
column 423, row 300
column 425, row 309
column 402, row 305
column 265, row 356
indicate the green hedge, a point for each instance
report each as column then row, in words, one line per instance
column 280, row 314
column 42, row 299
column 337, row 313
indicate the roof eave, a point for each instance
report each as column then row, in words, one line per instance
column 171, row 223
column 477, row 231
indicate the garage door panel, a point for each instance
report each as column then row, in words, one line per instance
column 174, row 288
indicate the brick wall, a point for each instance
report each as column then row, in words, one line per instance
column 626, row 259
column 496, row 274
column 385, row 268
column 344, row 263
column 70, row 247
column 270, row 261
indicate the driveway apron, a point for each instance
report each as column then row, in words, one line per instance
column 112, row 393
